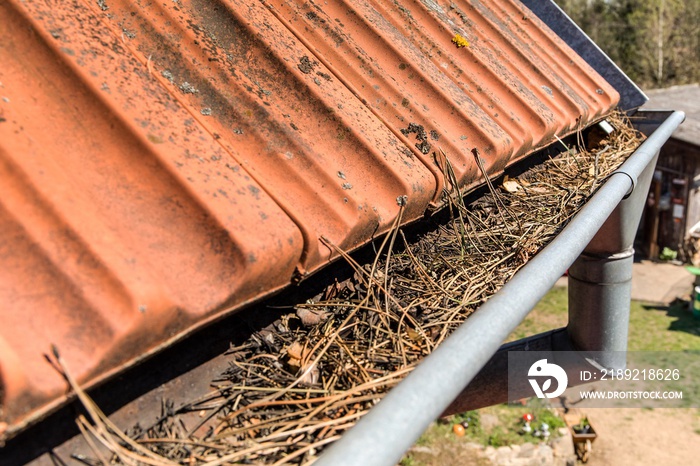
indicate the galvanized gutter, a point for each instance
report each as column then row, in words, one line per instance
column 389, row 429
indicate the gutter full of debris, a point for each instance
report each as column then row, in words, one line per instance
column 597, row 241
column 291, row 392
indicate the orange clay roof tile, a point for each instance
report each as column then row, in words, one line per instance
column 163, row 163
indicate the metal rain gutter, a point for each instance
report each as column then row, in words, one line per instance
column 425, row 394
column 600, row 293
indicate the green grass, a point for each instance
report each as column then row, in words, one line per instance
column 550, row 313
column 504, row 426
column 652, row 328
column 663, row 329
column 669, row 336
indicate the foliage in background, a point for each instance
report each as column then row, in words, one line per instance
column 656, row 42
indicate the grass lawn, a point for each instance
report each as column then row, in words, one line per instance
column 652, row 328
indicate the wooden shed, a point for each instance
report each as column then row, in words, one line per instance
column 673, row 205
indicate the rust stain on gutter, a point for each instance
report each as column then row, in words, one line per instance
column 164, row 163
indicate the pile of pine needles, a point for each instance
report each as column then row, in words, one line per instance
column 297, row 385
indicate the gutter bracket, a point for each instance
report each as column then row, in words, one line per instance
column 633, row 180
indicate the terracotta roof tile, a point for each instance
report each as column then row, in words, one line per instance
column 167, row 162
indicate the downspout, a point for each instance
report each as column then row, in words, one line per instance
column 600, row 280
column 390, row 428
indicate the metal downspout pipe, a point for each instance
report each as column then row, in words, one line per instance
column 390, row 428
column 600, row 280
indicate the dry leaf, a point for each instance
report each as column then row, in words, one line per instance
column 413, row 335
column 310, row 317
column 295, row 350
column 512, row 186
column 310, row 376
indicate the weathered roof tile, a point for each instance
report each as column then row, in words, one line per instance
column 167, row 162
